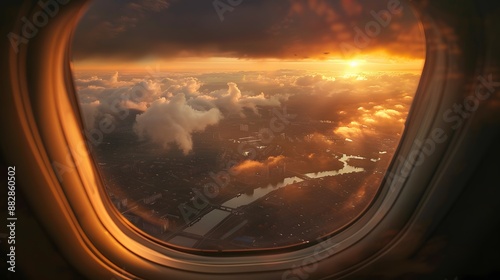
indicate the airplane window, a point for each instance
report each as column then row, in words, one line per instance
column 245, row 125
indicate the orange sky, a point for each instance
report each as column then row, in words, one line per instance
column 357, row 64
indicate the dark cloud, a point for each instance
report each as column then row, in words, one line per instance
column 133, row 30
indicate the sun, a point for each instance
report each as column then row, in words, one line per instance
column 354, row 63
column 354, row 68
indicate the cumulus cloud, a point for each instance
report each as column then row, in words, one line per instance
column 112, row 90
column 173, row 121
column 372, row 120
column 309, row 80
column 232, row 101
column 319, row 84
column 186, row 85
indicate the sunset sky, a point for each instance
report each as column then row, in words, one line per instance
column 158, row 78
column 189, row 35
column 357, row 63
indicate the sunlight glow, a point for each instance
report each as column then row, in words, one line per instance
column 200, row 64
column 354, row 63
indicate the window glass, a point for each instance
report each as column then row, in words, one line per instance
column 236, row 125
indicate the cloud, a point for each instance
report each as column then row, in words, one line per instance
column 250, row 167
column 370, row 121
column 319, row 84
column 114, row 93
column 352, row 7
column 132, row 30
column 122, row 16
column 173, row 121
column 187, row 85
column 309, row 80
column 232, row 101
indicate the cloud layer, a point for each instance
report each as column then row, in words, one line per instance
column 173, row 107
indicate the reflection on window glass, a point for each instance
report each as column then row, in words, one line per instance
column 236, row 125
